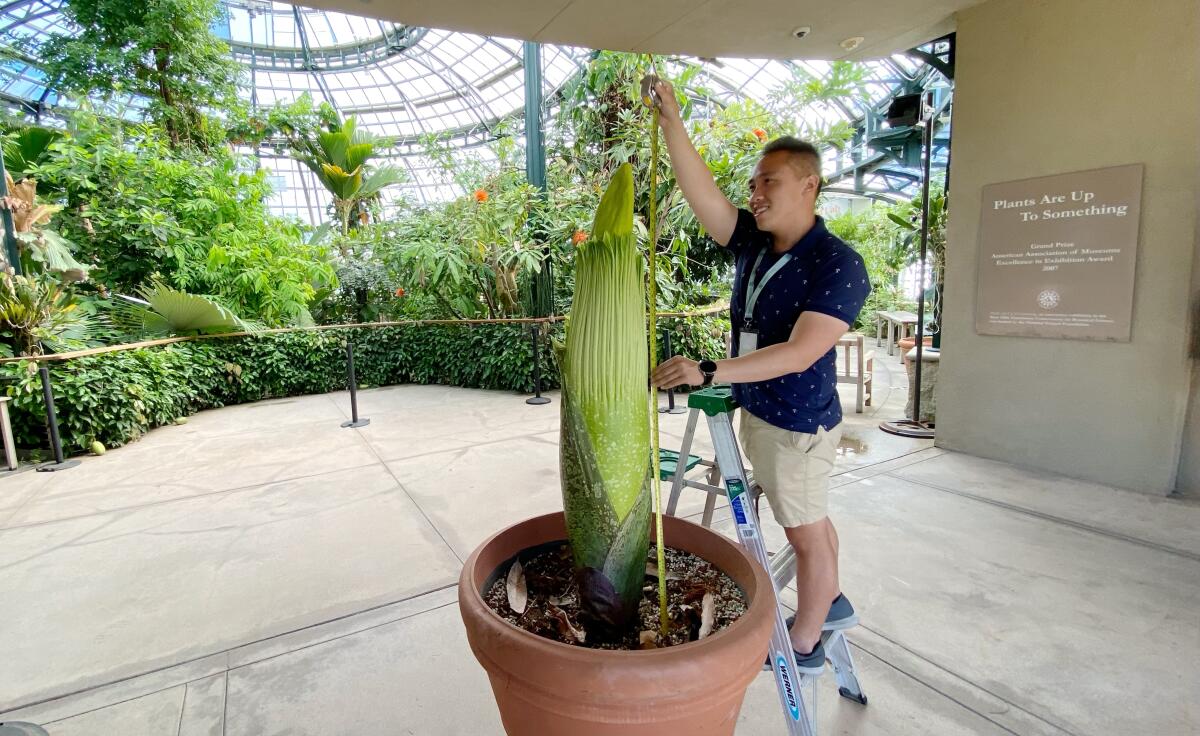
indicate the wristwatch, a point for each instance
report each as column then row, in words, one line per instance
column 708, row 369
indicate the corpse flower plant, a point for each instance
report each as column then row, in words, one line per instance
column 605, row 432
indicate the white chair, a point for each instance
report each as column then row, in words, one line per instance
column 863, row 368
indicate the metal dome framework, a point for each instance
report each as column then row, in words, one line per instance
column 409, row 84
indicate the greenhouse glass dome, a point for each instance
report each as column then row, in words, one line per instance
column 411, row 85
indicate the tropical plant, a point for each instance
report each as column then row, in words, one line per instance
column 40, row 248
column 477, row 254
column 37, row 311
column 605, row 433
column 162, row 311
column 283, row 125
column 907, row 217
column 368, row 286
column 162, row 51
column 339, row 156
column 25, row 148
column 198, row 221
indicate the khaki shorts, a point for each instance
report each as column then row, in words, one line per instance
column 792, row 467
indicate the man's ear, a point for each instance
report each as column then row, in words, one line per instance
column 813, row 183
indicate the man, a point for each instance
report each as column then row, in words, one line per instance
column 797, row 289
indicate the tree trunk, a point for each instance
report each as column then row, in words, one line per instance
column 162, row 60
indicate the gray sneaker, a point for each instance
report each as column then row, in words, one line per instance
column 812, row 663
column 841, row 615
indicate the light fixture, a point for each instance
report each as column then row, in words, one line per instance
column 801, row 31
column 852, row 43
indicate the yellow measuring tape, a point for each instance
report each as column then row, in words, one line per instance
column 650, row 99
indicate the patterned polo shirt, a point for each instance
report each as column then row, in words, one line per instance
column 823, row 275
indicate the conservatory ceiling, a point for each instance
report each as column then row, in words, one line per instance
column 745, row 28
column 408, row 83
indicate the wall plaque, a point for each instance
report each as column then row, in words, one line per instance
column 1057, row 255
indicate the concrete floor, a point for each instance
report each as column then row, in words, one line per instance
column 260, row 570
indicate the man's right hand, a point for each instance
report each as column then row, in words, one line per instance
column 669, row 105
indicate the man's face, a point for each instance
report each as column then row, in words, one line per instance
column 779, row 191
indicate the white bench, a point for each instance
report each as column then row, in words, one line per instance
column 898, row 326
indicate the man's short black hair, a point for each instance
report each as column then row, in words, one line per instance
column 799, row 150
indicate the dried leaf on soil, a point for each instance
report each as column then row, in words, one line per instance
column 565, row 627
column 707, row 615
column 648, row 640
column 518, row 595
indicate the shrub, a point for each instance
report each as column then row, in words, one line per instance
column 115, row 398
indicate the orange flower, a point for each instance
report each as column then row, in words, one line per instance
column 400, row 291
column 481, row 196
column 579, row 237
column 760, row 134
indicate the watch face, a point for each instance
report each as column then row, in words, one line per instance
column 707, row 366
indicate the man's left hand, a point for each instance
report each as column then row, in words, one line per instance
column 677, row 371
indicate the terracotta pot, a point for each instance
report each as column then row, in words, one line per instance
column 546, row 688
column 908, row 343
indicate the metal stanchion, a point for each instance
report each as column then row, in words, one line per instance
column 670, row 408
column 52, row 423
column 537, row 399
column 353, row 382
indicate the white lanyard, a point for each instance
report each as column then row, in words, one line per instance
column 754, row 290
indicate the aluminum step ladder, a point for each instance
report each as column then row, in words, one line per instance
column 797, row 693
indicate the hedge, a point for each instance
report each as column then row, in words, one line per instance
column 116, row 397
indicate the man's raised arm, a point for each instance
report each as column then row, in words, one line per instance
column 714, row 211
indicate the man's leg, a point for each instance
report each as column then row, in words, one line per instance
column 836, row 544
column 794, row 471
column 816, row 580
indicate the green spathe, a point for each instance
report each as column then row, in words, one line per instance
column 605, row 448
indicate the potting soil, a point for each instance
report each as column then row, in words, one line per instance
column 553, row 610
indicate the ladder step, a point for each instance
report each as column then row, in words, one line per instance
column 668, row 461
column 713, row 400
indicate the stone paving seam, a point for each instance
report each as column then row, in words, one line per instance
column 135, row 507
column 1101, row 531
column 955, row 675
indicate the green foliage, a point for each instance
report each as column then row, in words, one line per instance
column 40, row 249
column 36, row 310
column 25, row 148
column 163, row 311
column 907, row 219
column 478, row 255
column 469, row 254
column 161, row 50
column 339, row 156
column 283, row 125
column 603, row 124
column 199, row 221
column 114, row 398
column 698, row 338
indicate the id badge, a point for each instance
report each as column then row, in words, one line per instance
column 747, row 342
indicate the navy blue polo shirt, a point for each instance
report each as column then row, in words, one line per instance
column 823, row 275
